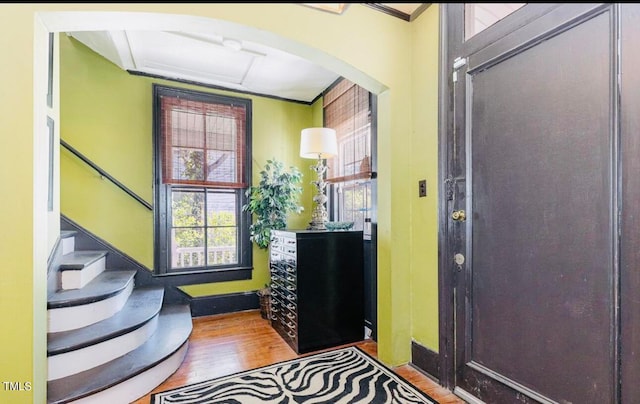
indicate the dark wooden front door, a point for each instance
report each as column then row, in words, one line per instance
column 533, row 160
column 630, row 201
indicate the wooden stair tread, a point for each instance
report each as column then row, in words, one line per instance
column 174, row 329
column 80, row 259
column 142, row 306
column 107, row 284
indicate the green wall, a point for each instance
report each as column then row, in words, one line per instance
column 424, row 165
column 388, row 56
column 106, row 114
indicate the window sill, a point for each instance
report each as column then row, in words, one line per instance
column 205, row 276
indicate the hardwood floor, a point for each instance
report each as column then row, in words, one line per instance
column 229, row 343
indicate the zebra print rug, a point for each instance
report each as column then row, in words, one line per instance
column 346, row 375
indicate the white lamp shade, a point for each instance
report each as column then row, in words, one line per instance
column 318, row 143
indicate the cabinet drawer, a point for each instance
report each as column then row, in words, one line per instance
column 277, row 258
column 288, row 305
column 274, row 255
column 288, row 276
column 288, row 266
column 289, row 296
column 276, row 242
column 290, row 288
column 284, row 281
column 286, row 333
column 290, row 326
column 290, row 249
column 276, row 307
column 289, row 315
column 279, row 296
column 284, row 297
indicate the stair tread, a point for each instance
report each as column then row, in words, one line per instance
column 174, row 328
column 79, row 259
column 142, row 306
column 67, row 233
column 105, row 285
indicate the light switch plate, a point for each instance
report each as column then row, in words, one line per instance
column 422, row 188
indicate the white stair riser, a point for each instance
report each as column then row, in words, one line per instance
column 139, row 385
column 78, row 278
column 70, row 363
column 71, row 318
column 68, row 245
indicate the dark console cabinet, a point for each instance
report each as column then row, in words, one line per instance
column 317, row 287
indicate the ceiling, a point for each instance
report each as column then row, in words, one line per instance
column 216, row 61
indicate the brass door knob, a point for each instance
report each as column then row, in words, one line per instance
column 459, row 215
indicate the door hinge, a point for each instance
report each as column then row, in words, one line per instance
column 457, row 63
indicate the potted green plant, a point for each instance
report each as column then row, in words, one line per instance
column 271, row 201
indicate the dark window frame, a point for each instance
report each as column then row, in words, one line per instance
column 163, row 193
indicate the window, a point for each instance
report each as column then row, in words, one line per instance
column 347, row 109
column 480, row 16
column 202, row 160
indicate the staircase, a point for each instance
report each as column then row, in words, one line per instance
column 109, row 340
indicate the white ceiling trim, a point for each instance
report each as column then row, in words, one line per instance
column 123, row 47
column 111, row 37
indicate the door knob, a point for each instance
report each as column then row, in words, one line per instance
column 459, row 215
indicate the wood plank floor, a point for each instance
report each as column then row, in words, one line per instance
column 229, row 343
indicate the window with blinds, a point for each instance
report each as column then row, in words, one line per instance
column 347, row 109
column 202, row 159
column 203, row 143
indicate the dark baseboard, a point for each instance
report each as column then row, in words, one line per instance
column 229, row 303
column 426, row 360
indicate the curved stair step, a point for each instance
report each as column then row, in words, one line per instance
column 99, row 299
column 108, row 284
column 135, row 374
column 142, row 305
column 78, row 268
column 74, row 351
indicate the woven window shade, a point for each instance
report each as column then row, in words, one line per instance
column 202, row 143
column 346, row 109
